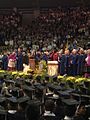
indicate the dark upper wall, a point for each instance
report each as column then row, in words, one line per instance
column 41, row 3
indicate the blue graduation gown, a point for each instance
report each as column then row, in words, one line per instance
column 45, row 57
column 19, row 62
column 67, row 64
column 62, row 65
column 5, row 62
column 73, row 66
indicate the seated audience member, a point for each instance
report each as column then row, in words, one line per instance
column 80, row 113
column 32, row 112
column 59, row 109
column 49, row 114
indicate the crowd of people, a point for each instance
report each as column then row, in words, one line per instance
column 55, row 35
column 52, row 28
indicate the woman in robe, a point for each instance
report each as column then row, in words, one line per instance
column 12, row 61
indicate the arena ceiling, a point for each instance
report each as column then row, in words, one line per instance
column 42, row 3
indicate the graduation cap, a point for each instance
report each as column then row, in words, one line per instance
column 29, row 90
column 18, row 83
column 54, row 88
column 54, row 78
column 51, row 86
column 87, row 84
column 38, row 78
column 76, row 96
column 47, row 77
column 12, row 99
column 70, row 105
column 70, row 90
column 57, row 88
column 70, row 102
column 22, row 101
column 62, row 84
column 36, row 84
column 63, row 94
column 83, row 90
column 15, row 91
column 30, row 76
column 3, row 101
column 28, row 82
column 33, row 110
column 37, row 102
column 9, row 82
column 40, row 87
column 12, row 103
column 2, row 111
column 85, row 98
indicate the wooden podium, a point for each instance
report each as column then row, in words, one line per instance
column 32, row 64
column 52, row 68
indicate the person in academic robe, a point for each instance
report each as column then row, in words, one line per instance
column 62, row 64
column 80, row 62
column 25, row 58
column 45, row 56
column 12, row 61
column 19, row 60
column 5, row 61
column 73, row 62
column 59, row 109
column 54, row 55
column 37, row 57
column 1, row 60
column 49, row 108
column 59, row 58
column 87, row 74
column 67, row 62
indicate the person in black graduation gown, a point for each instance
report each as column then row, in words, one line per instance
column 32, row 112
column 15, row 112
column 59, row 109
column 80, row 113
column 49, row 108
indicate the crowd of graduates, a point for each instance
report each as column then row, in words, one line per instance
column 26, row 99
column 37, row 99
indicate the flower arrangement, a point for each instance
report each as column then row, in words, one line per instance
column 72, row 79
column 43, row 73
column 78, row 80
column 60, row 77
